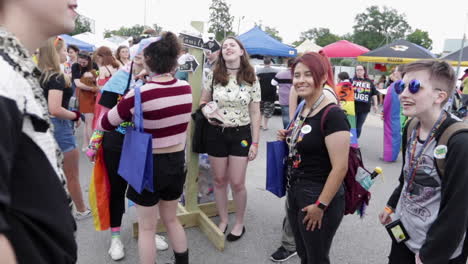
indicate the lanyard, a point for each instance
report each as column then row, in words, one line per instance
column 298, row 123
column 415, row 159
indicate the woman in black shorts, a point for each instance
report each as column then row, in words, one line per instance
column 233, row 136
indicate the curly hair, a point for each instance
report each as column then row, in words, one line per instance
column 161, row 56
column 246, row 73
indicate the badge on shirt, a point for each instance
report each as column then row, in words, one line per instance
column 440, row 152
column 306, row 129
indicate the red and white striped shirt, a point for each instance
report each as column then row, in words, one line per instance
column 166, row 108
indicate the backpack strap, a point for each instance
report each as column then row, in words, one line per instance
column 410, row 127
column 444, row 139
column 324, row 116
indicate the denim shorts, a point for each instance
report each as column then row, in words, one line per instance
column 64, row 134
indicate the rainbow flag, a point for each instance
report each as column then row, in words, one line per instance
column 345, row 93
column 393, row 122
column 99, row 193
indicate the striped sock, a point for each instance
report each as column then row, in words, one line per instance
column 115, row 232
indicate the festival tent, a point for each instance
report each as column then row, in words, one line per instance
column 308, row 45
column 343, row 49
column 80, row 44
column 398, row 52
column 95, row 40
column 454, row 57
column 258, row 42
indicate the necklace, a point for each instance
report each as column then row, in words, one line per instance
column 233, row 69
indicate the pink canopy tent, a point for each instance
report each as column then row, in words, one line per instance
column 344, row 49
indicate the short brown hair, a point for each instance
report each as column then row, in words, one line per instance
column 440, row 73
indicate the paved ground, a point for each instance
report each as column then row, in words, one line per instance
column 358, row 241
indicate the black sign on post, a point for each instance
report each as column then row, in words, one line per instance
column 191, row 41
column 212, row 45
column 190, row 65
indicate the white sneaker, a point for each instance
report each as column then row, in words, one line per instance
column 82, row 215
column 161, row 243
column 116, row 250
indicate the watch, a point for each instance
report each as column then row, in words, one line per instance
column 321, row 205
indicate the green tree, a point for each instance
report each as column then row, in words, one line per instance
column 82, row 25
column 135, row 30
column 321, row 36
column 273, row 32
column 376, row 27
column 421, row 38
column 220, row 19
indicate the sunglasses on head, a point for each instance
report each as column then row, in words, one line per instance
column 413, row 86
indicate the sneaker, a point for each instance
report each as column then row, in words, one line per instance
column 116, row 250
column 161, row 243
column 82, row 215
column 281, row 254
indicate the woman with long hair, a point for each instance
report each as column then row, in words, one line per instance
column 317, row 162
column 233, row 136
column 166, row 105
column 123, row 55
column 58, row 91
column 364, row 92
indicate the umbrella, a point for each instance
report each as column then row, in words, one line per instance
column 308, row 45
column 398, row 52
column 344, row 49
column 453, row 57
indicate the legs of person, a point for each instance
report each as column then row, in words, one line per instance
column 219, row 167
column 285, row 115
column 147, row 220
column 237, row 167
column 360, row 119
column 71, row 170
column 269, row 108
column 295, row 221
column 287, row 237
column 175, row 231
column 87, row 129
column 400, row 254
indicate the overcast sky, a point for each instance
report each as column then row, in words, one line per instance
column 442, row 19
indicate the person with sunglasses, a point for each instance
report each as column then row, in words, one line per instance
column 364, row 92
column 36, row 224
column 432, row 207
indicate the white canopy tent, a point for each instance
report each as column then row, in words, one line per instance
column 91, row 38
column 308, row 45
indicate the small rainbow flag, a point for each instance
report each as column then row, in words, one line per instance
column 345, row 93
column 99, row 193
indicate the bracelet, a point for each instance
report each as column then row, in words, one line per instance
column 78, row 115
column 255, row 144
column 388, row 209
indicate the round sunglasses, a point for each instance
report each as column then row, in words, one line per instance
column 413, row 86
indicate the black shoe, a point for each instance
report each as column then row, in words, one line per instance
column 231, row 237
column 281, row 254
column 225, row 229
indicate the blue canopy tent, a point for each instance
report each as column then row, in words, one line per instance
column 80, row 44
column 258, row 42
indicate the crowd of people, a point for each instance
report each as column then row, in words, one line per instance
column 44, row 101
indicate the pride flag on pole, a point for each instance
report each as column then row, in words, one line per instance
column 345, row 93
column 393, row 122
column 99, row 193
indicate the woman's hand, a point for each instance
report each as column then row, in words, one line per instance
column 253, row 152
column 282, row 133
column 313, row 217
column 385, row 218
column 88, row 75
column 417, row 259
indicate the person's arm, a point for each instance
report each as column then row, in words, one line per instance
column 83, row 86
column 7, row 255
column 207, row 90
column 292, row 102
column 447, row 231
column 118, row 114
column 255, row 117
column 274, row 82
column 54, row 100
column 374, row 97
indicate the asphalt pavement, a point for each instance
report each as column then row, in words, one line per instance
column 358, row 241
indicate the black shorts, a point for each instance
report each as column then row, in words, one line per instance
column 228, row 141
column 168, row 179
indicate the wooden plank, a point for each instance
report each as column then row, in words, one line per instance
column 210, row 208
column 186, row 219
column 211, row 231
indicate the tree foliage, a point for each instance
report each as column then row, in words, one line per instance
column 220, row 19
column 376, row 27
column 273, row 32
column 421, row 38
column 321, row 36
column 135, row 30
column 82, row 25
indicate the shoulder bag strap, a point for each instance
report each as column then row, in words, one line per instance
column 324, row 116
column 444, row 138
column 138, row 115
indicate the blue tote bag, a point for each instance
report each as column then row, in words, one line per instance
column 136, row 161
column 277, row 153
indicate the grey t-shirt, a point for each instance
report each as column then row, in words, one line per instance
column 418, row 206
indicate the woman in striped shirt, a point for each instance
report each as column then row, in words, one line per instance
column 166, row 106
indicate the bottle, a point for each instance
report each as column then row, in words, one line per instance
column 363, row 177
column 376, row 172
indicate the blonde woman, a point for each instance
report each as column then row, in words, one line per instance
column 58, row 91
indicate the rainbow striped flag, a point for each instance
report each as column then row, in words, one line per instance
column 393, row 123
column 99, row 193
column 345, row 93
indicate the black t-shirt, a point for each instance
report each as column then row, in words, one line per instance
column 364, row 89
column 57, row 82
column 78, row 71
column 315, row 162
column 112, row 140
column 268, row 91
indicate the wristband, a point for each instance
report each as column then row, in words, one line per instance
column 78, row 115
column 388, row 210
column 255, row 144
column 321, row 205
